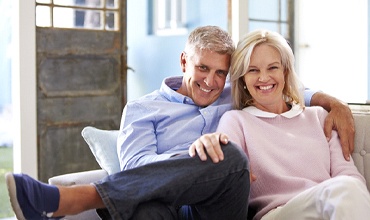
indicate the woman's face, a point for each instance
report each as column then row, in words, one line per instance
column 265, row 79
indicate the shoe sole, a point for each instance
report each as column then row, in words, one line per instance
column 12, row 190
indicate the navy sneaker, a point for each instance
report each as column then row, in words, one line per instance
column 31, row 199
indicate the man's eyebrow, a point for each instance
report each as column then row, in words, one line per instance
column 222, row 71
column 201, row 64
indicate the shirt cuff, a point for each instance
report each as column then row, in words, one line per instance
column 308, row 93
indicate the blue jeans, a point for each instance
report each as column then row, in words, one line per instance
column 181, row 187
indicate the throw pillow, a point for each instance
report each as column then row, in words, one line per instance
column 102, row 144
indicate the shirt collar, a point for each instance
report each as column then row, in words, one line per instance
column 294, row 111
column 171, row 84
column 169, row 87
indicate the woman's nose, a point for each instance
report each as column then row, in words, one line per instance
column 264, row 77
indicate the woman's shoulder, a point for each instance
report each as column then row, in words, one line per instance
column 235, row 113
column 315, row 111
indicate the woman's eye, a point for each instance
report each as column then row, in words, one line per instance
column 274, row 67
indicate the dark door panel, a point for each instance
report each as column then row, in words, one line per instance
column 81, row 79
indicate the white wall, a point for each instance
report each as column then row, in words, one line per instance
column 332, row 47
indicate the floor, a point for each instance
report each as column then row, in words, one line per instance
column 6, row 137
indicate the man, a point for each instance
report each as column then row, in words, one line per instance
column 156, row 131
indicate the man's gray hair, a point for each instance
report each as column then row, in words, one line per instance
column 210, row 38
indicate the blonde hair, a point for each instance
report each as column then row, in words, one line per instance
column 240, row 61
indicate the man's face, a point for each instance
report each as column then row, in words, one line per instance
column 204, row 76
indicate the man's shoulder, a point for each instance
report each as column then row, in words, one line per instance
column 147, row 99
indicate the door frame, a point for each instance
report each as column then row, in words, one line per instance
column 24, row 88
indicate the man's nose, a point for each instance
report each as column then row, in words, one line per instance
column 209, row 79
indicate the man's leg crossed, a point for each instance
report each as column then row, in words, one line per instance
column 215, row 189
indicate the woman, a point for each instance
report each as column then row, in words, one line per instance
column 299, row 173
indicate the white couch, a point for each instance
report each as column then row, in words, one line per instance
column 361, row 157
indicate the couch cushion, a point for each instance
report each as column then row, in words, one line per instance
column 361, row 153
column 103, row 145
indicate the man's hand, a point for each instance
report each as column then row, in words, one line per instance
column 209, row 144
column 340, row 118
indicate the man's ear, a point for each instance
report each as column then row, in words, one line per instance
column 183, row 61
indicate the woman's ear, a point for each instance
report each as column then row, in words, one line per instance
column 183, row 61
column 243, row 80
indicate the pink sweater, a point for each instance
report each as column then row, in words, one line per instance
column 288, row 155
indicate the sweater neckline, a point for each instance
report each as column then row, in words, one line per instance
column 293, row 112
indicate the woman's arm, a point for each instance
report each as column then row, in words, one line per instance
column 340, row 118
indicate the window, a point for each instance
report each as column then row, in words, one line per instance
column 275, row 15
column 80, row 14
column 329, row 38
column 332, row 47
column 168, row 17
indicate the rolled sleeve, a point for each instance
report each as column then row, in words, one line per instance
column 308, row 93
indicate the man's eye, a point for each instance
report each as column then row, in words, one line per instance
column 222, row 73
column 203, row 68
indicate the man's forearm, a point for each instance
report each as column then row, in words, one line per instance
column 326, row 101
column 340, row 118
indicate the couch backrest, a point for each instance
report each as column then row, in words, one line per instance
column 361, row 153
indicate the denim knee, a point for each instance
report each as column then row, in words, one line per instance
column 235, row 155
column 154, row 210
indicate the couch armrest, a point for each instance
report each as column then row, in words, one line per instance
column 84, row 177
column 361, row 153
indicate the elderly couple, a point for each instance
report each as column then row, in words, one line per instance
column 233, row 132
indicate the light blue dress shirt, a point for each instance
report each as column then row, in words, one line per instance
column 164, row 123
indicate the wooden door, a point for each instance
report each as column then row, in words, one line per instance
column 81, row 79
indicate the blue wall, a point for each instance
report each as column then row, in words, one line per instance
column 156, row 57
column 5, row 61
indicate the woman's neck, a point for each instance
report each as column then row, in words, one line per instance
column 274, row 108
